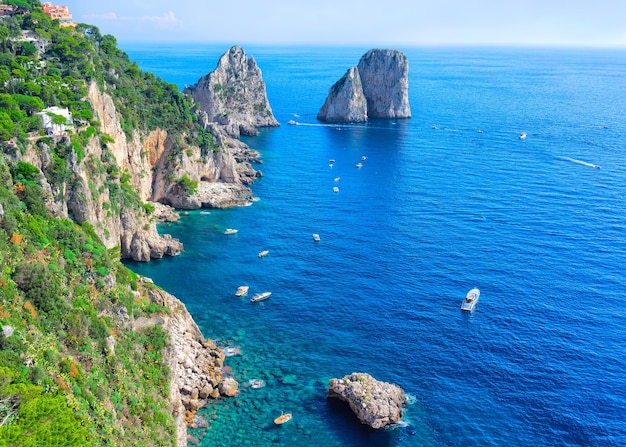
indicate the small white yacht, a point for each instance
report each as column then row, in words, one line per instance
column 470, row 300
column 263, row 253
column 260, row 296
column 230, row 231
column 522, row 136
column 242, row 290
column 359, row 165
column 316, row 237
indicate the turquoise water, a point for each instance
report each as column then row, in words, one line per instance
column 436, row 209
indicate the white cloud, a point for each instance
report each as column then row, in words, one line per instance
column 105, row 16
column 167, row 20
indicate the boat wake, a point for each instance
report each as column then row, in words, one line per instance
column 580, row 162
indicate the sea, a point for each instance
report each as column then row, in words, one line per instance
column 445, row 201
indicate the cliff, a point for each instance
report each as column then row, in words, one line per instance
column 380, row 80
column 113, row 356
column 234, row 96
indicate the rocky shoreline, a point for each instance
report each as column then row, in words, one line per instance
column 196, row 363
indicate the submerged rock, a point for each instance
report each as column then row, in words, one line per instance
column 377, row 88
column 377, row 404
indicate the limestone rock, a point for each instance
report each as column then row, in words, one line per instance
column 385, row 79
column 380, row 81
column 228, row 387
column 234, row 95
column 377, row 404
column 345, row 101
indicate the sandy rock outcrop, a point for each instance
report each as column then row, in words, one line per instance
column 377, row 404
column 234, row 95
column 380, row 79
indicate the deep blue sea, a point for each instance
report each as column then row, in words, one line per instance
column 437, row 208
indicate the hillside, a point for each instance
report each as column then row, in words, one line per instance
column 89, row 352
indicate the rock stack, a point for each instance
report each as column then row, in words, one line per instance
column 234, row 95
column 377, row 404
column 377, row 88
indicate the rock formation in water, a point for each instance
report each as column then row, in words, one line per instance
column 345, row 101
column 234, row 95
column 377, row 404
column 380, row 79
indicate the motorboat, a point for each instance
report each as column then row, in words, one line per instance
column 316, row 237
column 363, row 158
column 470, row 300
column 260, row 297
column 359, row 165
column 242, row 290
column 263, row 253
column 336, row 189
column 522, row 136
column 256, row 384
column 230, row 351
column 282, row 418
column 337, row 179
column 230, row 231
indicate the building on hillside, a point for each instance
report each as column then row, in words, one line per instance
column 7, row 10
column 52, row 128
column 60, row 13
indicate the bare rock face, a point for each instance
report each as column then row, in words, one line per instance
column 234, row 95
column 377, row 404
column 383, row 83
column 195, row 363
column 385, row 79
column 345, row 101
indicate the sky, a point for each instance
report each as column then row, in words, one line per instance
column 372, row 22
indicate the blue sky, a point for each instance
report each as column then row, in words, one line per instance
column 374, row 22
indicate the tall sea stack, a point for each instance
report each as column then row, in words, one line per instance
column 234, row 95
column 380, row 81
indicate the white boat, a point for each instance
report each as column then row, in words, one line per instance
column 337, row 179
column 359, row 165
column 242, row 290
column 230, row 231
column 316, row 237
column 336, row 189
column 363, row 158
column 522, row 136
column 260, row 296
column 470, row 300
column 263, row 253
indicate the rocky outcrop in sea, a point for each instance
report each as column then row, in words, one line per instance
column 377, row 404
column 234, row 96
column 377, row 88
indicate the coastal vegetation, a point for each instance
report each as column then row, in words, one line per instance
column 73, row 372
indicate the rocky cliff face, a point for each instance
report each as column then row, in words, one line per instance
column 346, row 100
column 234, row 96
column 384, row 85
column 147, row 166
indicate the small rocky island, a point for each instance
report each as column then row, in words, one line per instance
column 234, row 95
column 375, row 403
column 378, row 87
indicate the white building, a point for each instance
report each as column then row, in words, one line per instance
column 48, row 123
